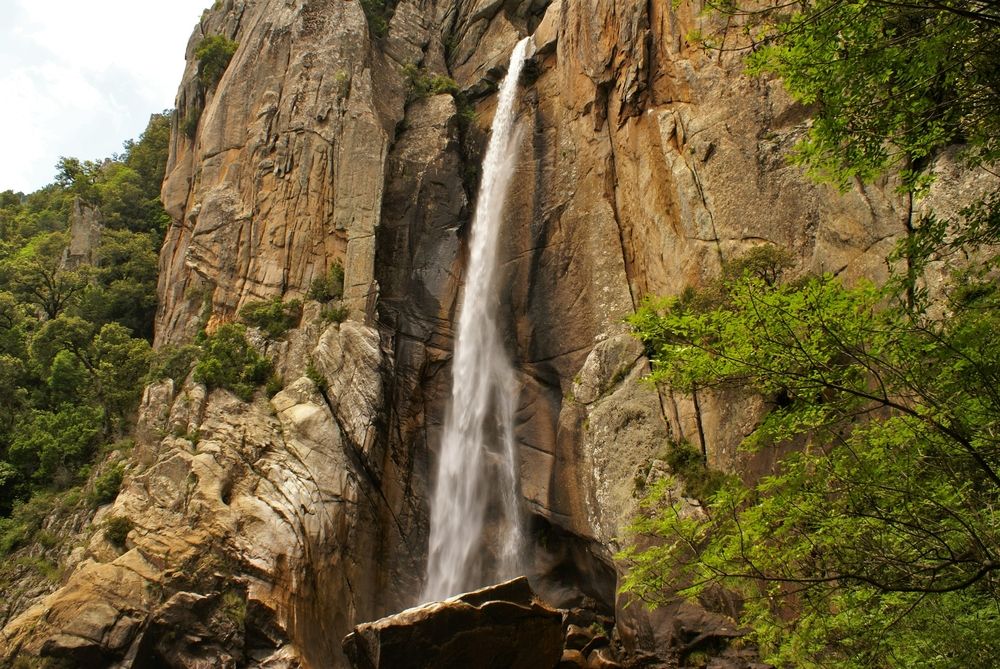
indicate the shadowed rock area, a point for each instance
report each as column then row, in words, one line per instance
column 499, row 627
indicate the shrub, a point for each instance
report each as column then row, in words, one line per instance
column 213, row 54
column 107, row 485
column 274, row 385
column 376, row 13
column 316, row 377
column 329, row 286
column 116, row 529
column 273, row 317
column 688, row 464
column 53, row 446
column 190, row 123
column 229, row 361
column 335, row 313
column 424, row 84
column 173, row 362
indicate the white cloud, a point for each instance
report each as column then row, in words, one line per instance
column 81, row 78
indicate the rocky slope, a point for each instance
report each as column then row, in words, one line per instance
column 265, row 530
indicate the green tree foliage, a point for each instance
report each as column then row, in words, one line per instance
column 213, row 54
column 36, row 275
column 880, row 531
column 891, row 82
column 51, row 446
column 229, row 361
column 273, row 317
column 377, row 15
column 329, row 286
column 74, row 347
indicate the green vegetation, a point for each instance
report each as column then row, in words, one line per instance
column 273, row 317
column 329, row 289
column 875, row 541
column 74, row 333
column 891, row 82
column 116, row 529
column 882, row 526
column 316, row 377
column 229, row 361
column 213, row 54
column 423, row 84
column 329, row 286
column 377, row 14
column 107, row 485
column 335, row 313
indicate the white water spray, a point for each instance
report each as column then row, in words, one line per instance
column 478, row 462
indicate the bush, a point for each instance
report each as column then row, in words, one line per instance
column 53, row 446
column 273, row 317
column 376, row 13
column 689, row 465
column 329, row 286
column 173, row 362
column 274, row 385
column 229, row 361
column 213, row 54
column 423, row 84
column 116, row 529
column 107, row 485
column 335, row 313
column 316, row 377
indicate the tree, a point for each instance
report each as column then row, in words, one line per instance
column 229, row 361
column 36, row 274
column 213, row 54
column 881, row 530
column 52, row 446
column 891, row 82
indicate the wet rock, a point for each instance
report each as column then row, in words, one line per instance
column 577, row 637
column 499, row 627
column 602, row 658
column 572, row 659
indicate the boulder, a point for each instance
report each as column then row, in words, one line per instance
column 498, row 627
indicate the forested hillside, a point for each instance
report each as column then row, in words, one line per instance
column 78, row 263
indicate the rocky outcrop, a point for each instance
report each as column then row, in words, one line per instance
column 500, row 627
column 253, row 527
column 266, row 530
column 85, row 227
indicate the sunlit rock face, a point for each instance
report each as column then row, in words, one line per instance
column 265, row 530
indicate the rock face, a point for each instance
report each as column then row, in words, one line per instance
column 266, row 530
column 500, row 627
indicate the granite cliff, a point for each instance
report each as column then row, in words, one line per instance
column 265, row 530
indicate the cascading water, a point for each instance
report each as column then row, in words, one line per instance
column 477, row 469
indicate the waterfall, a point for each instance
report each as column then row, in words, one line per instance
column 477, row 469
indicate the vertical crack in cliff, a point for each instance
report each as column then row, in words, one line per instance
column 611, row 194
column 360, row 464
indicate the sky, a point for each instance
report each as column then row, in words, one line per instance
column 79, row 78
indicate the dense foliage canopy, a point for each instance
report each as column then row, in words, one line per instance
column 75, row 333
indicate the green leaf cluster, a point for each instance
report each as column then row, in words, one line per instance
column 229, row 361
column 74, row 337
column 377, row 14
column 328, row 286
column 274, row 317
column 880, row 530
column 213, row 54
column 890, row 83
column 423, row 84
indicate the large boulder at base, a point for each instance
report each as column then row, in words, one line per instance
column 499, row 627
